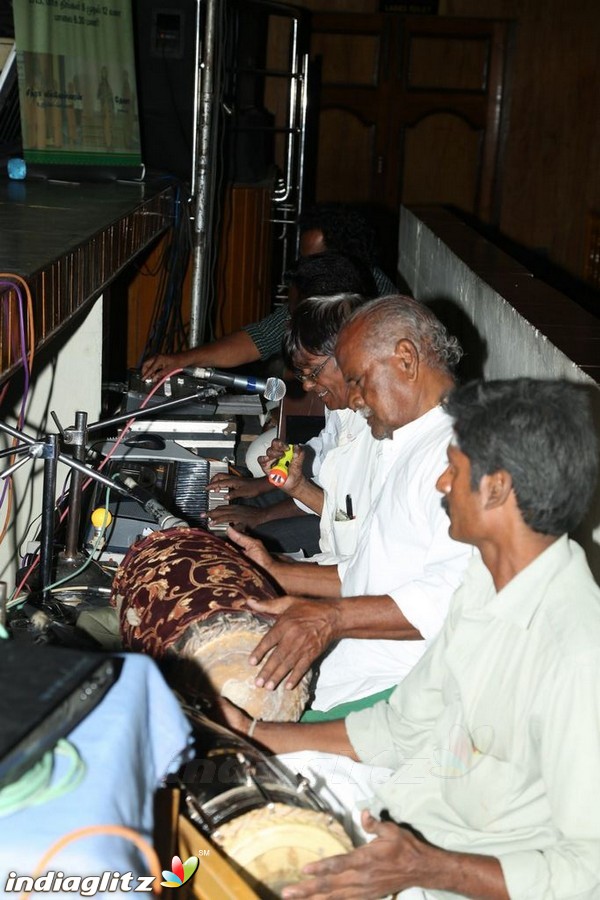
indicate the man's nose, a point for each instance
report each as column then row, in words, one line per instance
column 443, row 484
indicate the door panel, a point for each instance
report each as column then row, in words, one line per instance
column 345, row 160
column 411, row 109
column 435, row 145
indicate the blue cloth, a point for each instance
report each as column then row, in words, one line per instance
column 134, row 737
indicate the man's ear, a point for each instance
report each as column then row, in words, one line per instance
column 406, row 357
column 497, row 487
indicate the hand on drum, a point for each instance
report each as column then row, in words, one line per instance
column 230, row 715
column 253, row 549
column 393, row 861
column 303, row 631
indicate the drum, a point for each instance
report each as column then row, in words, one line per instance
column 181, row 596
column 268, row 823
column 220, row 648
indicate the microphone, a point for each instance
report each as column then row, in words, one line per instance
column 271, row 388
column 159, row 513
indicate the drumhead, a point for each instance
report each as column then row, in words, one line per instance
column 272, row 845
column 181, row 595
column 269, row 822
column 217, row 652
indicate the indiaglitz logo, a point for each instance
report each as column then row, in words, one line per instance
column 465, row 750
column 181, row 872
column 106, row 883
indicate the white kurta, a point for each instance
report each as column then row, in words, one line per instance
column 494, row 738
column 346, row 471
column 403, row 550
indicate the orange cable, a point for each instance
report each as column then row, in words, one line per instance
column 30, row 321
column 121, row 831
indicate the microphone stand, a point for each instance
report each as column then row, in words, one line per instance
column 48, row 450
column 75, row 436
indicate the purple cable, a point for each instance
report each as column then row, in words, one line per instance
column 15, row 287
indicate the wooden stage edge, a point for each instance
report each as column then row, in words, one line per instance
column 68, row 241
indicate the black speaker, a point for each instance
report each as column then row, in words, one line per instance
column 165, row 38
column 165, row 55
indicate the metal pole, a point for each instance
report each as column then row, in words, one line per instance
column 48, row 505
column 204, row 192
column 75, row 491
column 197, row 63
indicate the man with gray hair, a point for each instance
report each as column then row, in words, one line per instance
column 397, row 360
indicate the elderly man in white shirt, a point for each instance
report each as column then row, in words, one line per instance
column 396, row 358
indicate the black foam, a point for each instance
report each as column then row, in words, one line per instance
column 45, row 691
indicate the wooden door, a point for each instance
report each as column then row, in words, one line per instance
column 411, row 109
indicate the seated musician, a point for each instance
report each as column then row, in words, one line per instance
column 259, row 506
column 340, row 468
column 493, row 740
column 329, row 231
column 384, row 603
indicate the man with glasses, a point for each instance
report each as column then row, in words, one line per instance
column 340, row 493
column 314, row 375
column 309, row 352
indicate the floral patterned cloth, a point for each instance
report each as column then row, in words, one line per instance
column 181, row 596
column 172, row 579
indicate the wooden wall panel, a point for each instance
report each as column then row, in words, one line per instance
column 551, row 175
column 438, row 145
column 244, row 264
column 337, row 167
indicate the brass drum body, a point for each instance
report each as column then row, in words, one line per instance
column 269, row 823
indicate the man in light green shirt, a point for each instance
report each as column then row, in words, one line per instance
column 503, row 711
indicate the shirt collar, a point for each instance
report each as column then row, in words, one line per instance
column 519, row 600
column 405, row 432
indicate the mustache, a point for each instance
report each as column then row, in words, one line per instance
column 365, row 412
column 445, row 505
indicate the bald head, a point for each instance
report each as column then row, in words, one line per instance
column 388, row 319
column 396, row 357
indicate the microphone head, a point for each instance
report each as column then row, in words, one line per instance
column 275, row 389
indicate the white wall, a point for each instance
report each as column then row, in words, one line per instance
column 514, row 347
column 69, row 381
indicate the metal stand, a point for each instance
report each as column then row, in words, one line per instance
column 50, row 455
column 71, row 553
column 48, row 450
